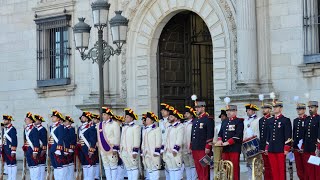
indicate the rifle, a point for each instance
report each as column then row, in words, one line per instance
column 290, row 168
column 48, row 157
column 24, row 167
column 2, row 158
column 79, row 172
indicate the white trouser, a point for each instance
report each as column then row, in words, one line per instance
column 174, row 174
column 181, row 171
column 153, row 175
column 12, row 172
column 120, row 172
column 70, row 172
column 58, row 174
column 96, row 171
column 191, row 173
column 111, row 173
column 133, row 174
column 88, row 172
column 167, row 174
column 65, row 170
column 129, row 162
column 34, row 172
column 211, row 174
column 42, row 172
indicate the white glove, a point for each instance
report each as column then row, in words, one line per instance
column 57, row 152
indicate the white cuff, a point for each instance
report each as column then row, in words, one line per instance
column 71, row 151
column 134, row 153
column 175, row 150
column 57, row 152
column 35, row 152
column 13, row 152
column 156, row 153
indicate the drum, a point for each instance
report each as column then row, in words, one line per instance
column 250, row 147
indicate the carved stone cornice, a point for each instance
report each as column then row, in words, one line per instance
column 310, row 70
column 123, row 87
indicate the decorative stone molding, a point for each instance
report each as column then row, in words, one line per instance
column 51, row 7
column 233, row 35
column 54, row 91
column 310, row 70
column 130, row 6
column 123, row 94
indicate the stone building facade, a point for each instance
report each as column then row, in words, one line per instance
column 256, row 46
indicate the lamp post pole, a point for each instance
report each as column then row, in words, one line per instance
column 102, row 51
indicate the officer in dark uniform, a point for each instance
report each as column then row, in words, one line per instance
column 71, row 148
column 96, row 166
column 43, row 145
column 86, row 145
column 201, row 138
column 279, row 141
column 263, row 122
column 31, row 146
column 10, row 143
column 230, row 136
column 297, row 136
column 311, row 129
column 56, row 144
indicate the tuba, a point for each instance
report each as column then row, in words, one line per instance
column 222, row 169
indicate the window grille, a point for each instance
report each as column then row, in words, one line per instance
column 53, row 50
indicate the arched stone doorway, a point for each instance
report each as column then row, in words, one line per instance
column 185, row 61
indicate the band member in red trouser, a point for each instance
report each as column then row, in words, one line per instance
column 297, row 136
column 311, row 130
column 279, row 132
column 202, row 136
column 266, row 109
column 230, row 136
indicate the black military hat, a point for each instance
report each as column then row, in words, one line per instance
column 165, row 106
column 199, row 103
column 231, row 108
column 107, row 111
column 68, row 118
column 175, row 113
column 190, row 110
column 38, row 117
column 57, row 114
column 131, row 113
column 252, row 107
column 30, row 116
column 144, row 117
column 152, row 116
column 266, row 105
column 7, row 117
column 223, row 112
column 278, row 104
column 86, row 114
column 95, row 116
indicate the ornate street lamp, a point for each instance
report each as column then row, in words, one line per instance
column 101, row 51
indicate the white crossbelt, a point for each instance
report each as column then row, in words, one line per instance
column 27, row 132
column 7, row 135
column 53, row 135
column 83, row 138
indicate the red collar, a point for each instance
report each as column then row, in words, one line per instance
column 9, row 126
column 279, row 116
column 203, row 115
column 303, row 117
column 314, row 115
column 233, row 118
column 267, row 116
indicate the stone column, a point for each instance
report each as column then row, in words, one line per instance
column 247, row 44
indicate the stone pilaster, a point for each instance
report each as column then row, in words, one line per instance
column 247, row 45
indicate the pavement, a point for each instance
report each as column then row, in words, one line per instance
column 243, row 172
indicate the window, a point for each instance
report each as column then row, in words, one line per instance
column 53, row 51
column 311, row 22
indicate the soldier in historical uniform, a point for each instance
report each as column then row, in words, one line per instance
column 151, row 146
column 109, row 143
column 279, row 140
column 43, row 145
column 263, row 123
column 251, row 130
column 72, row 138
column 96, row 166
column 297, row 136
column 121, row 170
column 130, row 144
column 172, row 147
column 10, row 143
column 56, row 145
column 87, row 140
column 191, row 173
column 230, row 136
column 311, row 130
column 202, row 137
column 31, row 146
